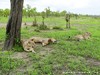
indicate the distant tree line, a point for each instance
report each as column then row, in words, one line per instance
column 28, row 11
column 4, row 12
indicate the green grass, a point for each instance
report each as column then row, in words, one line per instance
column 7, row 63
column 65, row 56
column 2, row 34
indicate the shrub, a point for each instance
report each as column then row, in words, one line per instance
column 34, row 23
column 56, row 27
column 37, row 30
column 43, row 27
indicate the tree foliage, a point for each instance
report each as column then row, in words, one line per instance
column 29, row 11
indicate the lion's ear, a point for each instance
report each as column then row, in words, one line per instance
column 49, row 40
column 32, row 39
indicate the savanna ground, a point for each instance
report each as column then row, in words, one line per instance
column 63, row 58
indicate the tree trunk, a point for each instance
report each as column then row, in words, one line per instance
column 43, row 21
column 13, row 28
column 68, row 21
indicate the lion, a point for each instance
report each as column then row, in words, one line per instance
column 43, row 41
column 87, row 35
column 84, row 36
column 28, row 45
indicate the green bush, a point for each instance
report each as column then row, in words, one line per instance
column 34, row 23
column 37, row 30
column 56, row 27
column 43, row 27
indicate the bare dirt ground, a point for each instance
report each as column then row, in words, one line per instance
column 44, row 53
column 89, row 61
column 25, row 58
column 2, row 24
column 92, row 62
column 28, row 62
column 23, row 24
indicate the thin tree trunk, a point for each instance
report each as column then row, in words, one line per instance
column 13, row 28
column 69, row 23
column 43, row 21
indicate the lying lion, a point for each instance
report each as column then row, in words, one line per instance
column 84, row 36
column 29, row 44
column 43, row 41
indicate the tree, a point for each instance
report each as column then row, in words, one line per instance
column 63, row 13
column 67, row 18
column 48, row 11
column 56, row 13
column 43, row 17
column 13, row 28
column 43, row 26
column 33, row 12
column 28, row 10
column 76, row 16
column 1, row 12
column 25, row 12
column 6, row 12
